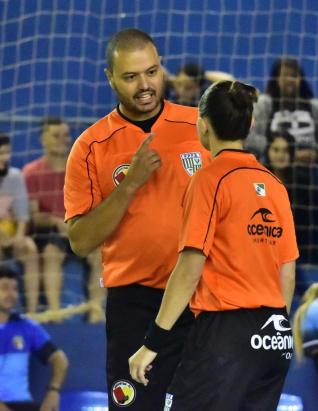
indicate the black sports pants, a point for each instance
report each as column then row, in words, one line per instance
column 129, row 311
column 233, row 361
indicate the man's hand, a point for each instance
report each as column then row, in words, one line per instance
column 140, row 363
column 144, row 163
column 51, row 401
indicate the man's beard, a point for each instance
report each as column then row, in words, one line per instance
column 4, row 171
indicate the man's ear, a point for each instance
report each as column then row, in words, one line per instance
column 109, row 76
column 204, row 125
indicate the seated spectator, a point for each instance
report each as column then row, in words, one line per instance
column 187, row 86
column 287, row 104
column 14, row 216
column 305, row 325
column 45, row 180
column 19, row 338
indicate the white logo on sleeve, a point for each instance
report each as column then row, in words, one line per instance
column 260, row 189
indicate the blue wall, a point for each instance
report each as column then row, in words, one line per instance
column 52, row 51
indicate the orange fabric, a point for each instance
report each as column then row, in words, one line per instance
column 239, row 215
column 144, row 248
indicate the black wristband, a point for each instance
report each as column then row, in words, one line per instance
column 52, row 388
column 156, row 337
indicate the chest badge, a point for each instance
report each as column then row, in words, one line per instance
column 120, row 173
column 191, row 162
column 18, row 342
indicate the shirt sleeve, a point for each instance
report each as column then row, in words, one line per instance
column 200, row 210
column 81, row 190
column 20, row 205
column 38, row 336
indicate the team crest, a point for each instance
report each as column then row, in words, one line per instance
column 18, row 342
column 191, row 162
column 120, row 173
column 260, row 189
column 123, row 393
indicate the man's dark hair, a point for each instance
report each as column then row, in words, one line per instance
column 193, row 70
column 7, row 272
column 228, row 105
column 50, row 121
column 4, row 139
column 128, row 39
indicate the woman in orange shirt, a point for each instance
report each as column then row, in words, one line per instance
column 236, row 267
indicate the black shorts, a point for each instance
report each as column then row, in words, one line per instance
column 129, row 311
column 233, row 361
column 48, row 235
column 22, row 406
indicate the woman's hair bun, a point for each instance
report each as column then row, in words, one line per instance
column 242, row 95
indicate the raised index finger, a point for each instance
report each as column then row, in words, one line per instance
column 144, row 145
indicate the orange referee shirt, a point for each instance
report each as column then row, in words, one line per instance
column 239, row 215
column 144, row 248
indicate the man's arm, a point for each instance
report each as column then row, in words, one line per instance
column 59, row 364
column 88, row 231
column 180, row 288
column 287, row 278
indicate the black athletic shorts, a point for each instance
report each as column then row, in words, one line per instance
column 22, row 406
column 49, row 235
column 129, row 311
column 233, row 361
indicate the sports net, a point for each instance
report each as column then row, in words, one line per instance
column 52, row 52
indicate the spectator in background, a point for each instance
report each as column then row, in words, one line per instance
column 302, row 184
column 19, row 338
column 287, row 104
column 14, row 216
column 188, row 85
column 279, row 157
column 45, row 180
column 305, row 325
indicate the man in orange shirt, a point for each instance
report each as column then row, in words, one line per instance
column 125, row 180
column 236, row 264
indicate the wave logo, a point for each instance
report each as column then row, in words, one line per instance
column 264, row 229
column 277, row 321
column 265, row 213
column 282, row 340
